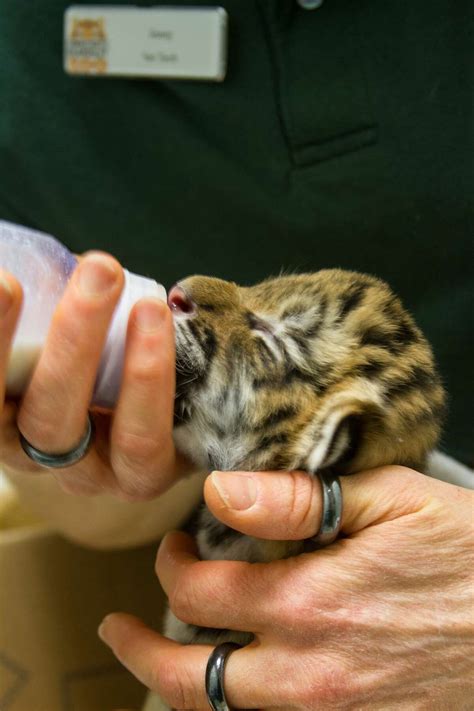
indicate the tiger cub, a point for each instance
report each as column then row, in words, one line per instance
column 298, row 372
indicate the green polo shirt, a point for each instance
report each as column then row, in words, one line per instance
column 341, row 136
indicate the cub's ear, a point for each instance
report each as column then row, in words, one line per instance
column 336, row 434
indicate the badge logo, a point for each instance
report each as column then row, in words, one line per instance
column 87, row 46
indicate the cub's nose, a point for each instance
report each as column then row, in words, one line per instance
column 179, row 301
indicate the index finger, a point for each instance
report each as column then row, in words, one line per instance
column 54, row 409
column 202, row 592
column 142, row 449
column 177, row 672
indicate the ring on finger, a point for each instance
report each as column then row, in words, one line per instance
column 215, row 675
column 331, row 517
column 64, row 459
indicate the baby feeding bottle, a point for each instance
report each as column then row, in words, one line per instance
column 43, row 267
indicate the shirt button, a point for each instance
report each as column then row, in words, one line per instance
column 310, row 4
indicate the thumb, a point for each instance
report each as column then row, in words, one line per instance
column 280, row 505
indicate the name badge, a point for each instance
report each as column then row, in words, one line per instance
column 157, row 42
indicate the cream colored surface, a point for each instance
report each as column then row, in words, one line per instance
column 53, row 595
column 103, row 521
column 153, row 703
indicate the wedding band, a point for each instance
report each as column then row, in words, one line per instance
column 215, row 675
column 65, row 459
column 331, row 510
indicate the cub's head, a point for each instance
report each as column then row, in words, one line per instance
column 304, row 371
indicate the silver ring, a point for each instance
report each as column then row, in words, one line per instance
column 215, row 675
column 65, row 459
column 331, row 511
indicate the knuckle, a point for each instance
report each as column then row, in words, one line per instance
column 410, row 483
column 171, row 684
column 44, row 437
column 331, row 688
column 295, row 614
column 182, row 599
column 338, row 686
column 138, row 450
column 302, row 511
column 34, row 426
column 67, row 327
column 292, row 609
column 136, row 459
column 143, row 374
column 67, row 360
column 405, row 476
column 47, row 400
column 122, row 644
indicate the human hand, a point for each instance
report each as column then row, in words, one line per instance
column 382, row 619
column 133, row 455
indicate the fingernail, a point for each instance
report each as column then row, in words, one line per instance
column 149, row 315
column 96, row 275
column 6, row 297
column 102, row 630
column 237, row 491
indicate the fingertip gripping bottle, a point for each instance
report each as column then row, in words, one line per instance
column 43, row 266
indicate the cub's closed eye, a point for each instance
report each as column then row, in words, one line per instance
column 258, row 324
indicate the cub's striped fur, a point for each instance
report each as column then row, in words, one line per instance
column 299, row 372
